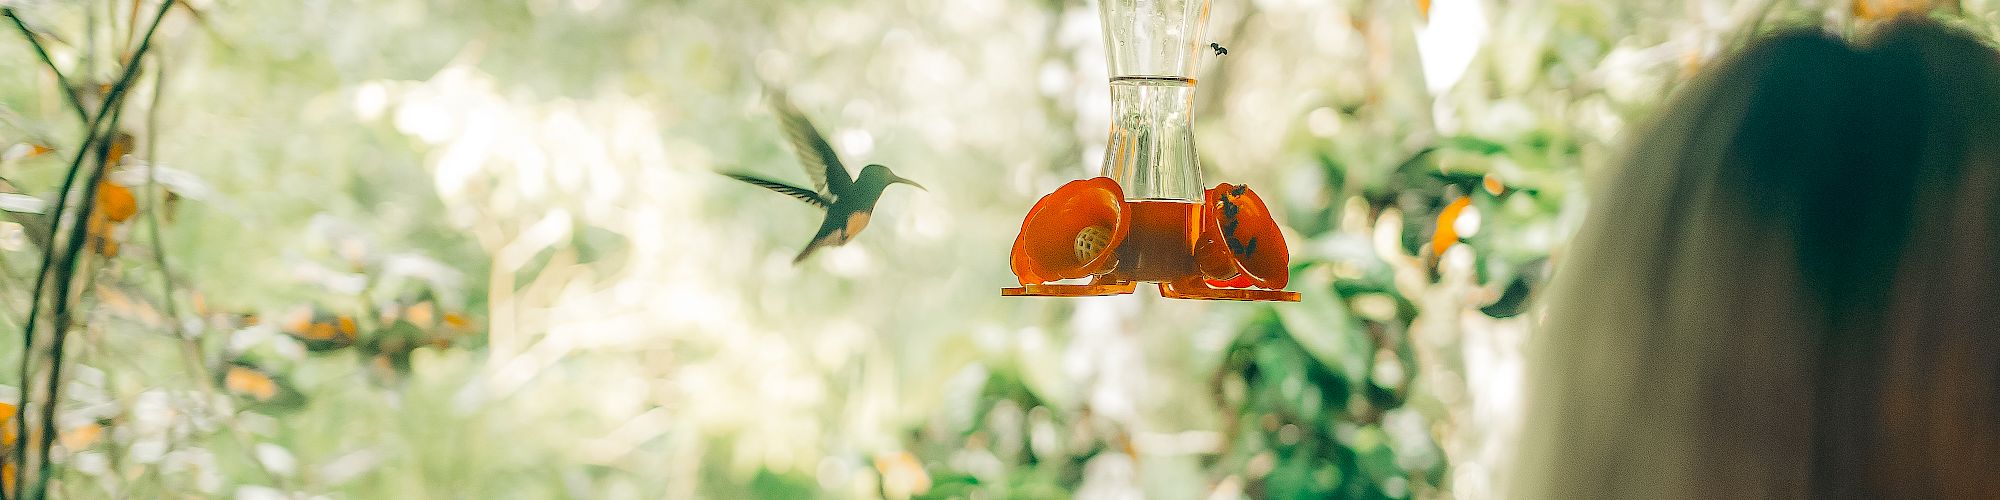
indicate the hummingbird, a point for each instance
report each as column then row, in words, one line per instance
column 848, row 202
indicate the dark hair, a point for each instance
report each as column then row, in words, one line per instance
column 1789, row 288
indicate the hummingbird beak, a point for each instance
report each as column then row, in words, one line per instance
column 900, row 180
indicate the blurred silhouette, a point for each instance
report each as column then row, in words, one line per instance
column 1790, row 287
column 848, row 202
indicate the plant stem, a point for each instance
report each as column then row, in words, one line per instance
column 75, row 102
column 61, row 313
column 131, row 26
column 79, row 234
column 153, row 224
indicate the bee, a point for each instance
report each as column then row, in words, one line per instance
column 1219, row 49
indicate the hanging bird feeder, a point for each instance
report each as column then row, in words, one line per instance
column 1147, row 218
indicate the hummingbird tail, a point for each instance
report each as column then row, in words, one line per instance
column 834, row 232
column 807, row 252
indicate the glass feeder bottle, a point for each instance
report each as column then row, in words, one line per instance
column 1153, row 48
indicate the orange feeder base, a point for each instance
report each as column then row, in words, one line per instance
column 1228, row 248
column 1195, row 291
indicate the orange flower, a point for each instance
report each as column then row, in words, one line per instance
column 1071, row 232
column 116, row 202
column 903, row 475
column 250, row 383
column 1240, row 244
column 1447, row 225
column 115, row 205
column 1887, row 9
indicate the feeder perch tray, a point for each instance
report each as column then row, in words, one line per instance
column 1147, row 218
column 1227, row 248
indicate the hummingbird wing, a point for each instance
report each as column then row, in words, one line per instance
column 803, row 194
column 818, row 158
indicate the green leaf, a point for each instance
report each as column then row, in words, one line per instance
column 1321, row 324
column 948, row 485
column 768, row 484
column 1473, row 145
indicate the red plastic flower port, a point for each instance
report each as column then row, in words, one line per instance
column 1070, row 233
column 1241, row 245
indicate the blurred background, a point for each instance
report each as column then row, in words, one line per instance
column 472, row 249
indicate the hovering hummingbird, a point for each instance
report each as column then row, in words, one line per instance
column 848, row 202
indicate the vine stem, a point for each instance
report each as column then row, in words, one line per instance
column 75, row 102
column 79, row 224
column 191, row 351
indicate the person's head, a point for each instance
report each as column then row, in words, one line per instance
column 1789, row 287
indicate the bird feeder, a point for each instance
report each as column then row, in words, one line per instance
column 1147, row 218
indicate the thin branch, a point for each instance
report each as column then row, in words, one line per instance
column 61, row 313
column 20, row 451
column 75, row 102
column 131, row 26
column 78, row 228
column 87, row 59
column 190, row 346
column 201, row 20
column 193, row 350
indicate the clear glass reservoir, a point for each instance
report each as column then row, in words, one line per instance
column 1154, row 47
